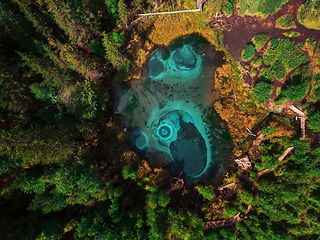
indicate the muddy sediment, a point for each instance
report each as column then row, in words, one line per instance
column 242, row 29
column 239, row 30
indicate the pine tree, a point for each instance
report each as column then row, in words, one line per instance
column 36, row 145
column 15, row 25
column 123, row 12
column 53, row 75
column 38, row 22
column 77, row 30
column 112, row 51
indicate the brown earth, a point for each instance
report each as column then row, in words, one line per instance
column 238, row 32
column 244, row 28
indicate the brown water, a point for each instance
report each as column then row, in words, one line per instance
column 244, row 28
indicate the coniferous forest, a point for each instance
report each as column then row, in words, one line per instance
column 69, row 170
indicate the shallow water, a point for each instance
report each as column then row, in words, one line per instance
column 169, row 106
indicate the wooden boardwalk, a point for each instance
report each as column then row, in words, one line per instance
column 199, row 9
column 303, row 128
column 302, row 119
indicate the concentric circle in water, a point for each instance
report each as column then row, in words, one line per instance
column 164, row 131
column 155, row 67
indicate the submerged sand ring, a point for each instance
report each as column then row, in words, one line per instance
column 164, row 131
column 169, row 136
column 165, row 128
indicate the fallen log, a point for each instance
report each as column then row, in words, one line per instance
column 226, row 223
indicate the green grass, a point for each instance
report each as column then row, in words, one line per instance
column 291, row 34
column 285, row 22
column 260, row 40
column 248, row 52
column 286, row 52
column 261, row 8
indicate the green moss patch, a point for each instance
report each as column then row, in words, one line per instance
column 248, row 52
column 286, row 52
column 291, row 34
column 309, row 14
column 262, row 91
column 285, row 22
column 254, row 72
column 256, row 62
column 298, row 86
column 260, row 40
column 278, row 70
column 260, row 7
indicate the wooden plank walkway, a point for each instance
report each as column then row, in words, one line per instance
column 199, row 9
column 302, row 119
column 296, row 110
column 303, row 128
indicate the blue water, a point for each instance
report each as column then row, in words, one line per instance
column 172, row 100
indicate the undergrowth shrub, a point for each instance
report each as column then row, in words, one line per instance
column 286, row 52
column 278, row 70
column 262, row 91
column 260, row 40
column 248, row 52
column 285, row 22
column 298, row 86
column 313, row 119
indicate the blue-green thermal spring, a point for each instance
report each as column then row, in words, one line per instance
column 170, row 114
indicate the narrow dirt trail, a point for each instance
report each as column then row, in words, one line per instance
column 242, row 29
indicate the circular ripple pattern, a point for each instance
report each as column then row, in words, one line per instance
column 164, row 131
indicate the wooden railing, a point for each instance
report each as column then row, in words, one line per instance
column 199, row 9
